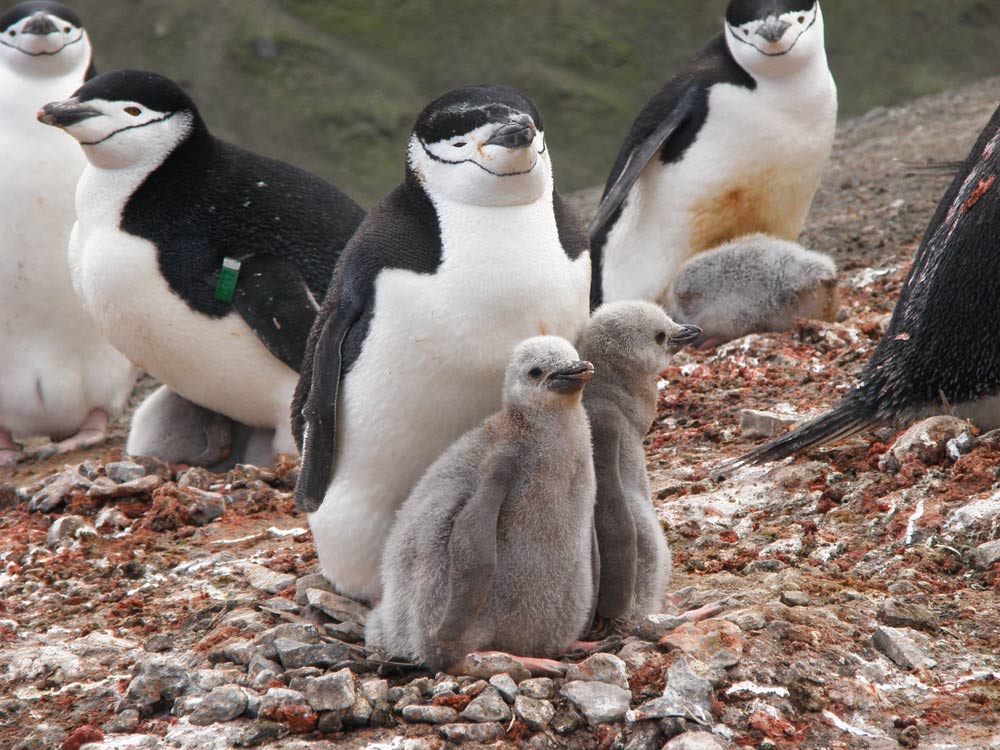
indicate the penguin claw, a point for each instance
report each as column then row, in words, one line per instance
column 93, row 431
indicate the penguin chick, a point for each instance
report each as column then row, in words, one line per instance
column 753, row 284
column 494, row 547
column 59, row 376
column 196, row 437
column 940, row 351
column 629, row 344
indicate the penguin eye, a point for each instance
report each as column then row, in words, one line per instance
column 134, row 111
column 12, row 32
column 535, row 372
column 661, row 337
column 67, row 30
column 802, row 19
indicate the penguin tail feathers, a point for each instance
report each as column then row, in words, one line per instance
column 843, row 422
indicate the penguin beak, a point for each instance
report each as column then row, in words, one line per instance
column 517, row 133
column 66, row 113
column 40, row 25
column 686, row 335
column 571, row 379
column 773, row 29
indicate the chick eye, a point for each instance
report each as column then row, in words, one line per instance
column 458, row 144
column 134, row 111
column 802, row 19
column 661, row 337
column 12, row 32
column 535, row 372
column 746, row 32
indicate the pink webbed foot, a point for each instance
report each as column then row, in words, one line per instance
column 10, row 452
column 705, row 612
column 543, row 667
column 93, row 431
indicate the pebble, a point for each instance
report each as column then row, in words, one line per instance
column 694, row 741
column 56, row 490
column 430, row 714
column 158, row 644
column 289, row 707
column 606, row 668
column 485, row 666
column 538, row 687
column 332, row 692
column 336, row 606
column 487, row 706
column 504, row 684
column 67, row 528
column 222, row 704
column 671, row 705
column 645, row 735
column 690, row 679
column 198, row 478
column 635, row 653
column 120, row 472
column 765, row 424
column 473, row 733
column 103, row 488
column 654, row 627
column 293, row 654
column 400, row 698
column 156, row 683
column 310, row 581
column 901, row 648
column 111, row 518
column 205, row 507
column 927, row 440
column 293, row 631
column 717, row 643
column 268, row 580
column 902, row 615
column 795, row 599
column 125, row 722
column 261, row 732
column 985, row 555
column 747, row 620
column 535, row 713
column 567, row 719
column 599, row 702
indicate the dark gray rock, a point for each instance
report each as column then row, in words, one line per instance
column 205, row 507
column 795, row 598
column 430, row 714
column 267, row 580
column 471, row 733
column 654, row 627
column 485, row 666
column 489, row 705
column 535, row 713
column 311, row 581
column 506, row 686
column 120, row 472
column 222, row 704
column 261, row 732
column 156, row 684
column 899, row 646
column 293, row 654
column 645, row 735
column 66, row 529
column 985, row 555
column 338, row 607
column 332, row 692
column 899, row 614
column 567, row 719
column 599, row 702
column 689, row 679
column 56, row 490
column 541, row 688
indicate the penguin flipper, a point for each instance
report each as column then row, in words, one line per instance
column 319, row 412
column 472, row 550
column 274, row 300
column 616, row 193
column 848, row 419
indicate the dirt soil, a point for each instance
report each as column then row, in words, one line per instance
column 811, row 556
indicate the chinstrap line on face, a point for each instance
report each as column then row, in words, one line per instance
column 40, row 29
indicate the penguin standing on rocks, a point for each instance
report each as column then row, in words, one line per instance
column 472, row 254
column 494, row 548
column 940, row 352
column 58, row 375
column 753, row 284
column 734, row 144
column 629, row 344
column 201, row 262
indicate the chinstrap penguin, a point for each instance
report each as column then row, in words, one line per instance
column 940, row 352
column 474, row 252
column 629, row 344
column 753, row 284
column 160, row 208
column 58, row 375
column 494, row 547
column 734, row 144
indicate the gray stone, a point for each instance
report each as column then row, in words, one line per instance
column 281, row 704
column 717, row 643
column 567, row 719
column 9, row 496
column 601, row 668
column 205, row 507
column 222, row 704
column 66, row 529
column 293, row 654
column 186, row 705
column 104, row 489
column 261, row 732
column 330, row 722
column 535, row 713
column 268, row 580
column 401, row 697
column 360, row 713
column 125, row 722
column 120, row 472
column 311, row 581
column 156, row 684
column 927, row 439
column 336, row 606
column 198, row 478
column 279, row 606
column 764, row 424
column 763, row 566
column 985, row 555
column 542, row 688
column 332, row 692
column 645, row 735
column 505, row 685
column 425, row 685
column 473, row 687
column 485, row 666
column 487, row 706
column 747, row 620
column 112, row 518
column 259, row 664
column 376, row 691
column 430, row 714
column 671, row 705
column 348, row 631
column 897, row 644
column 795, row 599
column 599, row 702
column 56, row 490
column 654, row 627
column 471, row 733
column 689, row 678
column 158, row 644
column 450, row 687
column 695, row 741
column 635, row 653
column 899, row 614
column 302, row 632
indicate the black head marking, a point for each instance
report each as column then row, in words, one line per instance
column 465, row 109
column 745, row 11
column 149, row 89
column 24, row 10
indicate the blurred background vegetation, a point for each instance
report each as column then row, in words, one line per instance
column 334, row 86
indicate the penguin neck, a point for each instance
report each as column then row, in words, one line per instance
column 553, row 418
column 634, row 392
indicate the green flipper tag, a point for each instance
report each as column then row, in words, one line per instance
column 227, row 280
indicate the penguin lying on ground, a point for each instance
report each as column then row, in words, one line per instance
column 200, row 261
column 58, row 375
column 734, row 144
column 940, row 352
column 752, row 285
column 629, row 344
column 472, row 254
column 494, row 548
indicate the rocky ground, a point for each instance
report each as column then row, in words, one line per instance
column 139, row 609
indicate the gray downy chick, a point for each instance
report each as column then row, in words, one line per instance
column 753, row 284
column 494, row 547
column 630, row 343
